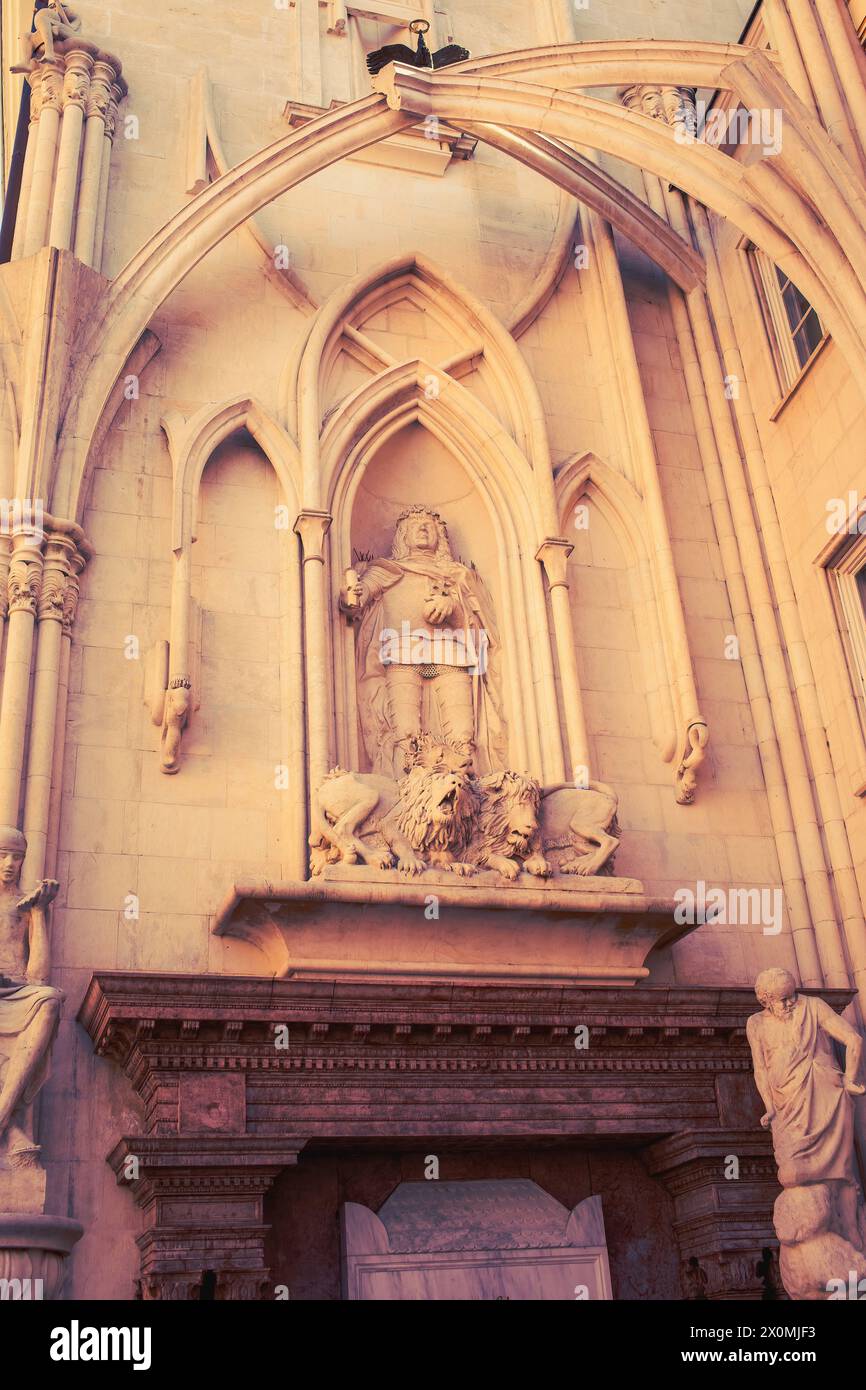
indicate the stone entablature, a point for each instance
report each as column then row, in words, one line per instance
column 227, row 1109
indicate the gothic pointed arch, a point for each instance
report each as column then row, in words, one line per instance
column 192, row 441
column 503, row 484
column 476, row 334
column 772, row 202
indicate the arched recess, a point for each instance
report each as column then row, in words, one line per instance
column 192, row 443
column 478, row 333
column 192, row 440
column 774, row 210
column 504, row 482
column 585, row 476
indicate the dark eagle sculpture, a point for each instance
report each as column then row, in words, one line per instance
column 422, row 58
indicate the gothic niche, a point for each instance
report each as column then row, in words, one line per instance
column 428, row 663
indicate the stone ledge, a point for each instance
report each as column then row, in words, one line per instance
column 359, row 921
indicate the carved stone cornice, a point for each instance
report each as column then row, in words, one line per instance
column 423, row 1045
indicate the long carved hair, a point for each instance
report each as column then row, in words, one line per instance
column 400, row 550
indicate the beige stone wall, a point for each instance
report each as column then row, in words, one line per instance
column 812, row 439
column 178, row 843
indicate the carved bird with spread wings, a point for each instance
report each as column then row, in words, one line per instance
column 422, row 58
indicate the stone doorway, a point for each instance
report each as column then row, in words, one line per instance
column 488, row 1240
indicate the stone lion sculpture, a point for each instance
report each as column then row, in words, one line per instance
column 520, row 822
column 508, row 833
column 424, row 820
column 582, row 820
column 441, row 816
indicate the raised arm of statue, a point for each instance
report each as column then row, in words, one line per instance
column 838, row 1028
column 36, row 904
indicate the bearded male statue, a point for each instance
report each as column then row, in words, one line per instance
column 427, row 651
column 29, row 1005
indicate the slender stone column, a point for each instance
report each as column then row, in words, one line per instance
column 95, row 147
column 48, row 125
column 35, row 80
column 117, row 93
column 76, row 85
column 830, row 104
column 70, row 608
column 25, row 576
column 553, row 555
column 784, row 40
column 312, row 527
column 295, row 852
column 848, row 59
column 59, row 549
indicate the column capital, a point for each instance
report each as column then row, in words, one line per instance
column 25, row 571
column 76, row 80
column 71, row 592
column 56, row 574
column 50, row 84
column 100, row 94
column 553, row 554
column 312, row 527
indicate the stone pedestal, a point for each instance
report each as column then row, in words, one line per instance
column 33, row 1251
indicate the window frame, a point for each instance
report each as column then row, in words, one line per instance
column 780, row 333
column 843, row 561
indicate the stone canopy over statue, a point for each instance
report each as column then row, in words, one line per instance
column 440, row 794
column 427, row 650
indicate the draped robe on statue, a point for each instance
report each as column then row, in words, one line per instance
column 474, row 618
column 19, row 1004
column 814, row 1117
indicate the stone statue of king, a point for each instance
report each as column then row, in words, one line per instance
column 427, row 650
column 29, row 1005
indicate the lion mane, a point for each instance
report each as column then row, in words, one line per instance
column 501, row 791
column 414, row 814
